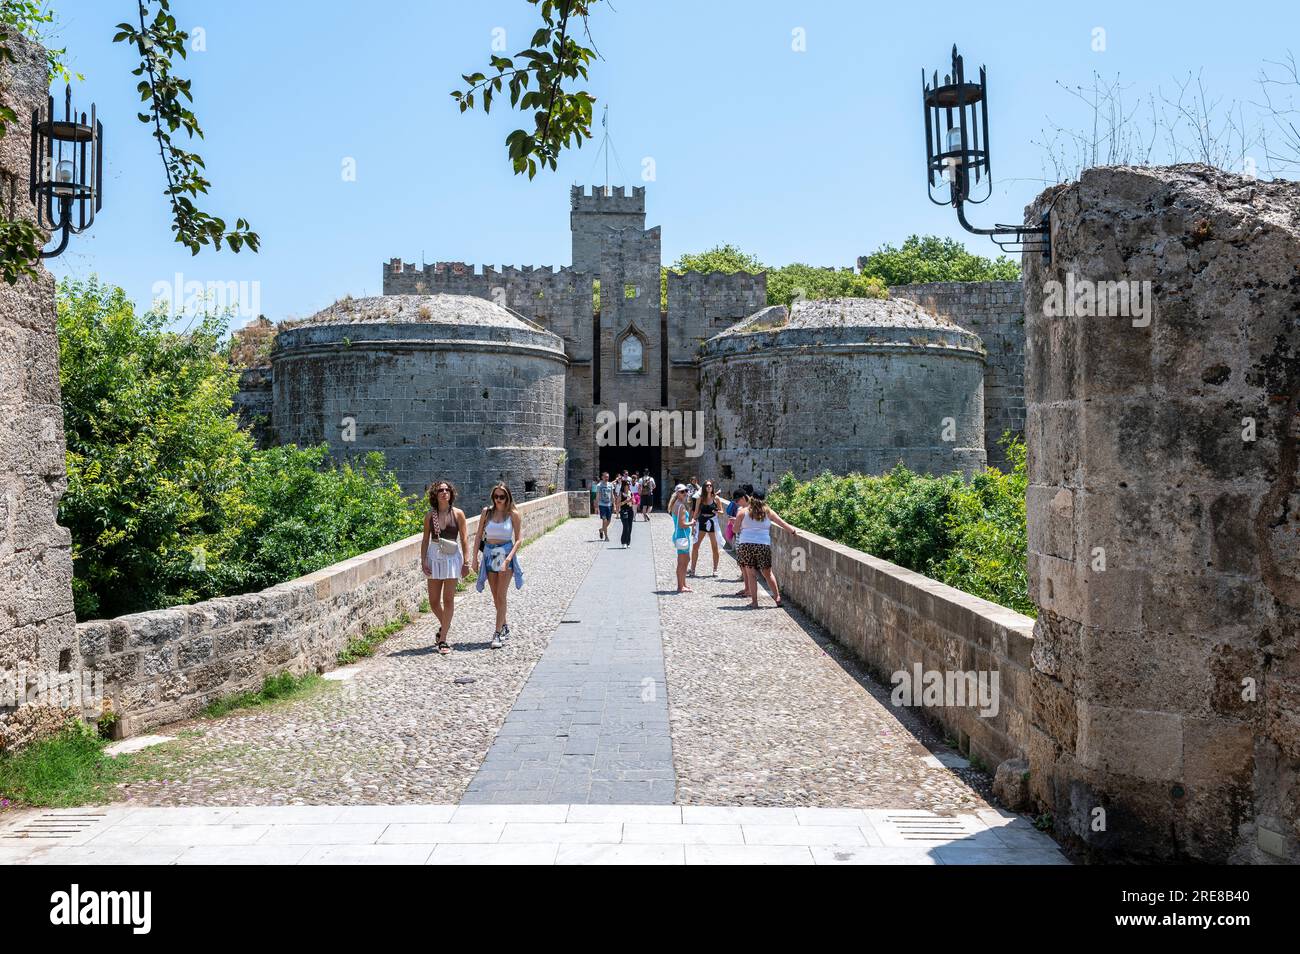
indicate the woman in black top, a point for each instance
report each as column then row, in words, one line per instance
column 707, row 506
column 626, row 510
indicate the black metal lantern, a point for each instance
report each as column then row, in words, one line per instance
column 67, row 170
column 957, row 154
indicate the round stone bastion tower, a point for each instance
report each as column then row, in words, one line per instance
column 846, row 385
column 444, row 386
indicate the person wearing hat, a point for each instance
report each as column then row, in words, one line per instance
column 682, row 523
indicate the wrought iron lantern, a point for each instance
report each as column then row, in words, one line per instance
column 67, row 170
column 957, row 155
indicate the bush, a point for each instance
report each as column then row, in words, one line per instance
column 169, row 501
column 934, row 259
column 967, row 533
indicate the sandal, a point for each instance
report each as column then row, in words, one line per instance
column 443, row 647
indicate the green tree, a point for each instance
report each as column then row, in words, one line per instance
column 790, row 283
column 536, row 79
column 157, row 497
column 933, row 259
column 168, row 500
column 720, row 258
column 310, row 515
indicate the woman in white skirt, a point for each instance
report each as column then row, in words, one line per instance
column 444, row 555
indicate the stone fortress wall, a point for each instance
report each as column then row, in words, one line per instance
column 37, row 635
column 1164, row 517
column 614, row 251
column 996, row 312
column 443, row 386
column 850, row 385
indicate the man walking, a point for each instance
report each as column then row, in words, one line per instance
column 647, row 495
column 605, row 503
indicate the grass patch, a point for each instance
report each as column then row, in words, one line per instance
column 60, row 771
column 275, row 688
column 364, row 646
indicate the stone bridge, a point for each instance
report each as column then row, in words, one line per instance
column 1152, row 710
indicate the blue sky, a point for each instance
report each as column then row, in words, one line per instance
column 811, row 155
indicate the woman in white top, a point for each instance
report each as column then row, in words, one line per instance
column 499, row 527
column 444, row 555
column 754, row 545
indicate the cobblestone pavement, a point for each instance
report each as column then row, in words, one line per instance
column 591, row 725
column 402, row 730
column 767, row 709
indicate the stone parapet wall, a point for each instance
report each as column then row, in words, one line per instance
column 166, row 665
column 894, row 619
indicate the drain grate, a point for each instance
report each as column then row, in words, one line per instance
column 53, row 827
column 924, row 828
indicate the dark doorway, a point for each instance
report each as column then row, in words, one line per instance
column 637, row 460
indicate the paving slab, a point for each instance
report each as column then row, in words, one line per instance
column 591, row 724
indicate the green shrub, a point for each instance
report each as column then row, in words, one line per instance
column 967, row 533
column 169, row 501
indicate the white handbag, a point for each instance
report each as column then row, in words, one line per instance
column 447, row 547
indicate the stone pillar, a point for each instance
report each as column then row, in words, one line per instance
column 37, row 627
column 1164, row 516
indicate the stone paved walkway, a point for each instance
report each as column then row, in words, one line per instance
column 764, row 708
column 591, row 724
column 518, row 834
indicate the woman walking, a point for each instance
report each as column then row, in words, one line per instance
column 499, row 527
column 444, row 555
column 682, row 524
column 754, row 552
column 626, row 510
column 706, row 519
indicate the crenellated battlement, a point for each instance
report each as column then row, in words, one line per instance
column 614, row 199
column 711, row 280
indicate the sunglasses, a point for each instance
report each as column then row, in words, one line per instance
column 444, row 490
column 498, row 496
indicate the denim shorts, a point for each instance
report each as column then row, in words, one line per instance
column 606, row 512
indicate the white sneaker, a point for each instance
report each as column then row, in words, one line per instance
column 505, row 630
column 496, row 640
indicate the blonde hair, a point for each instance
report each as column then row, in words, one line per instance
column 757, row 507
